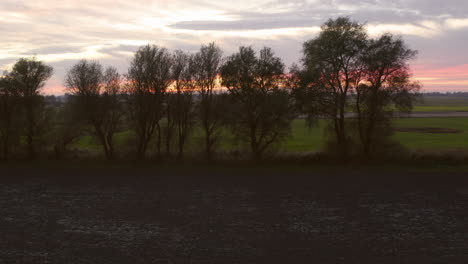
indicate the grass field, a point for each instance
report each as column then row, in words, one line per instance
column 430, row 141
column 308, row 139
column 442, row 104
column 311, row 139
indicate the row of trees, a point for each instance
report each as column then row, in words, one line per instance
column 165, row 95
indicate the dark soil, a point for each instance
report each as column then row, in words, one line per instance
column 232, row 215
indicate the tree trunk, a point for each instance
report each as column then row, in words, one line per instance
column 180, row 154
column 158, row 140
column 30, row 127
column 343, row 141
column 369, row 131
column 208, row 144
column 253, row 142
column 111, row 148
column 140, row 152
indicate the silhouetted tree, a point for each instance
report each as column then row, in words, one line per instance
column 263, row 114
column 10, row 116
column 331, row 70
column 168, row 128
column 208, row 62
column 149, row 76
column 29, row 76
column 385, row 83
column 98, row 95
column 180, row 104
column 68, row 127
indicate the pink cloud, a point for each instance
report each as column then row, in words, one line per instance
column 454, row 78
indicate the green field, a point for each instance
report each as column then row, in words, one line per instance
column 430, row 141
column 306, row 139
column 415, row 137
column 441, row 104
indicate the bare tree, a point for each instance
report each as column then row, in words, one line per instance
column 332, row 69
column 10, row 116
column 342, row 61
column 68, row 126
column 149, row 76
column 208, row 61
column 29, row 76
column 385, row 83
column 97, row 93
column 264, row 113
column 180, row 103
column 111, row 108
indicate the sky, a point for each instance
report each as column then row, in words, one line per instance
column 110, row 31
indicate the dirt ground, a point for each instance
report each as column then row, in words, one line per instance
column 232, row 215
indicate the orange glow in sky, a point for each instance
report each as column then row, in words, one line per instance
column 442, row 79
column 110, row 31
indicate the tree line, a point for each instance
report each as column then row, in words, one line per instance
column 353, row 81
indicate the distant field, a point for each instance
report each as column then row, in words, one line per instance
column 442, row 104
column 455, row 136
column 434, row 134
column 434, row 141
column 415, row 133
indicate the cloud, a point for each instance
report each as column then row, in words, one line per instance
column 62, row 32
column 457, row 23
column 425, row 29
column 450, row 78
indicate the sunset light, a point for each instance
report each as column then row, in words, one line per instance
column 242, row 131
column 62, row 32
